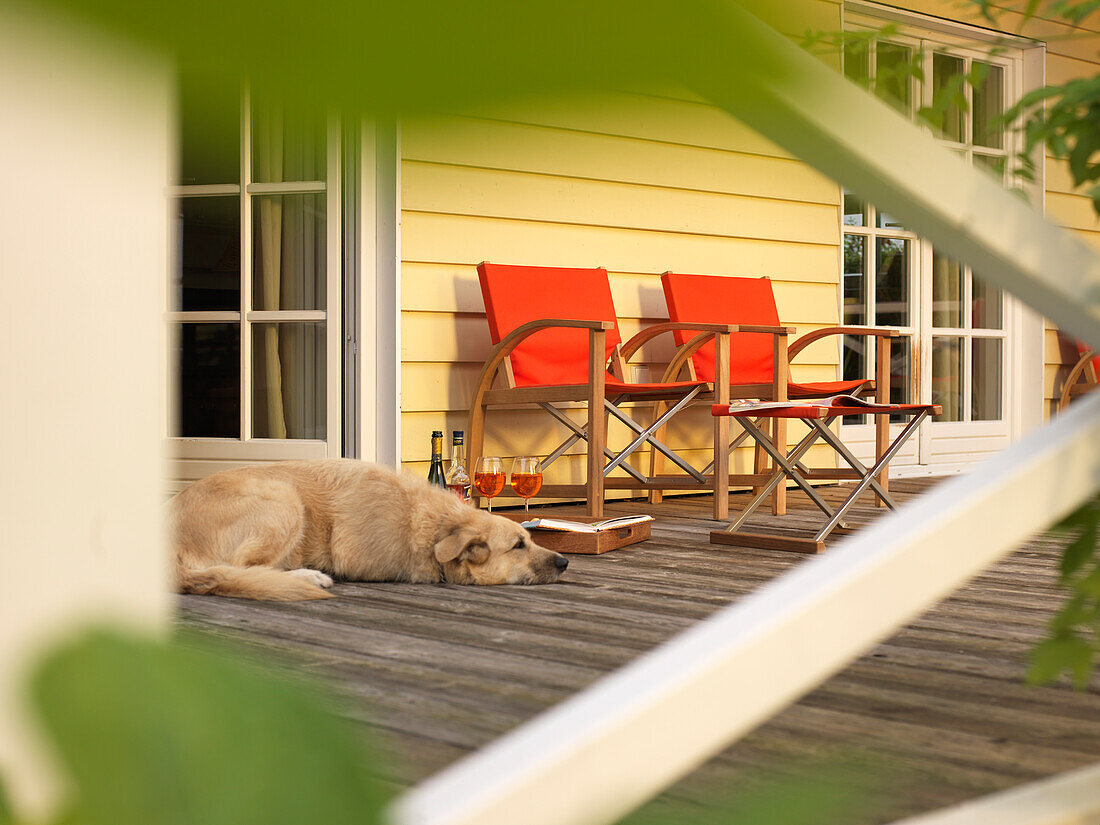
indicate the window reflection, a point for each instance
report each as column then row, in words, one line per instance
column 986, row 379
column 988, row 105
column 210, row 254
column 947, row 285
column 947, row 371
column 208, row 363
column 892, row 282
column 947, row 92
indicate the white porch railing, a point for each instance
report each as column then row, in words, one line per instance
column 596, row 756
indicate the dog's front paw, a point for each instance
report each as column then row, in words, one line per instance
column 313, row 576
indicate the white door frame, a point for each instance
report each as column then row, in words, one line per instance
column 374, row 400
column 198, row 456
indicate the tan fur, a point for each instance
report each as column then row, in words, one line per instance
column 278, row 531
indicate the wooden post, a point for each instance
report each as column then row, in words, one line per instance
column 779, row 425
column 721, row 427
column 882, row 396
column 597, row 432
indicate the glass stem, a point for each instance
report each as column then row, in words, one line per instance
column 526, row 509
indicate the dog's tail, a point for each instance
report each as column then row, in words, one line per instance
column 258, row 582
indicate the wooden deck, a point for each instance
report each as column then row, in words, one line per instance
column 436, row 671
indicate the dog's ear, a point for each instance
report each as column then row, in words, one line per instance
column 461, row 544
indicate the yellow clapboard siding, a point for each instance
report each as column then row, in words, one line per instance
column 1072, row 211
column 460, row 190
column 629, row 114
column 469, row 240
column 1061, row 38
column 1058, row 178
column 432, row 387
column 431, row 287
column 1052, row 352
column 443, row 337
column 1063, row 69
column 553, row 151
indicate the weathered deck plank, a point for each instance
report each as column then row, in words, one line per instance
column 436, row 671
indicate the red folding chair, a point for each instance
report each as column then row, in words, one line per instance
column 760, row 355
column 554, row 332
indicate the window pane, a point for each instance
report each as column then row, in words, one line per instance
column 885, row 221
column 947, row 298
column 892, row 282
column 900, row 364
column 994, row 164
column 989, row 104
column 288, row 380
column 855, row 210
column 210, row 118
column 857, row 61
column 854, row 367
column 210, row 254
column 892, row 75
column 986, row 303
column 288, row 252
column 855, row 279
column 288, row 140
column 948, row 95
column 208, row 362
column 947, row 377
column 985, row 392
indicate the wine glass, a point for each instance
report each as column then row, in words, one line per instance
column 526, row 479
column 489, row 477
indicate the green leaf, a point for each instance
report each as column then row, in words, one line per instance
column 1078, row 552
column 168, row 734
column 1090, row 585
column 819, row 792
column 6, row 815
column 1051, row 656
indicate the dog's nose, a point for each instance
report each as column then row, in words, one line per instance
column 561, row 562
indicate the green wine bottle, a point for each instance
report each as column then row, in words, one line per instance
column 435, row 473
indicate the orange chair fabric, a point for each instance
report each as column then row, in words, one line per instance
column 516, row 295
column 714, row 299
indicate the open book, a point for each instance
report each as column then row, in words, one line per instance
column 561, row 525
column 832, row 401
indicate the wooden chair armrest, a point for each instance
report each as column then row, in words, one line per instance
column 634, row 344
column 1074, row 376
column 514, row 338
column 768, row 330
column 818, row 334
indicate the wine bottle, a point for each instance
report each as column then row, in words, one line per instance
column 435, row 472
column 458, row 479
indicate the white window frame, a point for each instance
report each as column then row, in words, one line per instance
column 974, row 439
column 205, row 454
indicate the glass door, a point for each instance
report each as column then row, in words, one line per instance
column 955, row 346
column 256, row 289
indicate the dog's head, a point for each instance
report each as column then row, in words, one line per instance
column 480, row 548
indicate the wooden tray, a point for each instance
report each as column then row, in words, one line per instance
column 590, row 544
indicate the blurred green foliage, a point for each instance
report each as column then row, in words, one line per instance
column 1074, row 640
column 187, row 732
column 814, row 792
column 191, row 732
